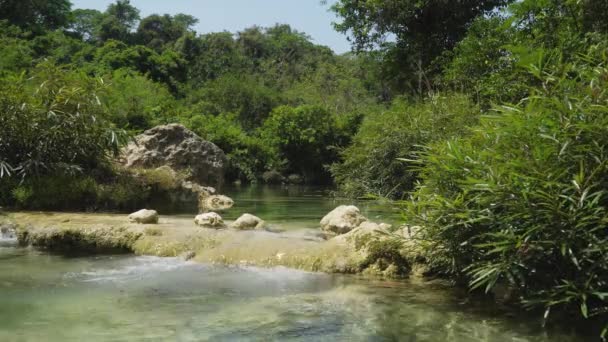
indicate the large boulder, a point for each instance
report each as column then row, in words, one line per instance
column 209, row 220
column 248, row 222
column 179, row 148
column 342, row 220
column 144, row 216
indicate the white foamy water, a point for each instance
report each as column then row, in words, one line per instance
column 135, row 268
column 8, row 241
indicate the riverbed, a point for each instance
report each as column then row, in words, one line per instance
column 51, row 297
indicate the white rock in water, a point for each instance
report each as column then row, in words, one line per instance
column 144, row 216
column 248, row 222
column 209, row 220
column 342, row 220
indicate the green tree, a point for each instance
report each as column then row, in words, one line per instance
column 305, row 137
column 119, row 20
column 36, row 15
column 157, row 31
column 242, row 95
column 16, row 55
column 86, row 24
column 421, row 31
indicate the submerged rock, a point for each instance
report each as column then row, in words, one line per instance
column 248, row 222
column 209, row 220
column 179, row 148
column 342, row 220
column 187, row 255
column 211, row 203
column 295, row 179
column 273, row 177
column 144, row 216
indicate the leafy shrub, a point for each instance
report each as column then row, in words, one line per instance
column 56, row 192
column 163, row 178
column 374, row 164
column 523, row 200
column 123, row 192
column 53, row 122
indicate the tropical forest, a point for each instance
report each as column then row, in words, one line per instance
column 445, row 178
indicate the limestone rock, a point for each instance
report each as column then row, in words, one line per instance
column 381, row 253
column 210, row 220
column 144, row 216
column 179, row 148
column 342, row 219
column 248, row 222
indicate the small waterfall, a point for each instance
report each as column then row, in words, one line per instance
column 8, row 236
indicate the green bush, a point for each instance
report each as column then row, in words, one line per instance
column 375, row 164
column 56, row 192
column 522, row 202
column 53, row 122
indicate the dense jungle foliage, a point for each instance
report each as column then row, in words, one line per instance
column 488, row 119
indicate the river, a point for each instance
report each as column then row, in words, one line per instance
column 46, row 297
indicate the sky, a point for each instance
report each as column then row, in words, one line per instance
column 308, row 16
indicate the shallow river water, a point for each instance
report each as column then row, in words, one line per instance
column 46, row 297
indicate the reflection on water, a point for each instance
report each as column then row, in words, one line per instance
column 121, row 298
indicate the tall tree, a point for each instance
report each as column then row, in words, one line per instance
column 85, row 23
column 120, row 20
column 419, row 30
column 36, row 15
column 155, row 31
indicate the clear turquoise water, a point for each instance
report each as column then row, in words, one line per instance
column 46, row 297
column 299, row 206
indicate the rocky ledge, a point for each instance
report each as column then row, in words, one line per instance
column 368, row 248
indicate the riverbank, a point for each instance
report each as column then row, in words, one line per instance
column 361, row 252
